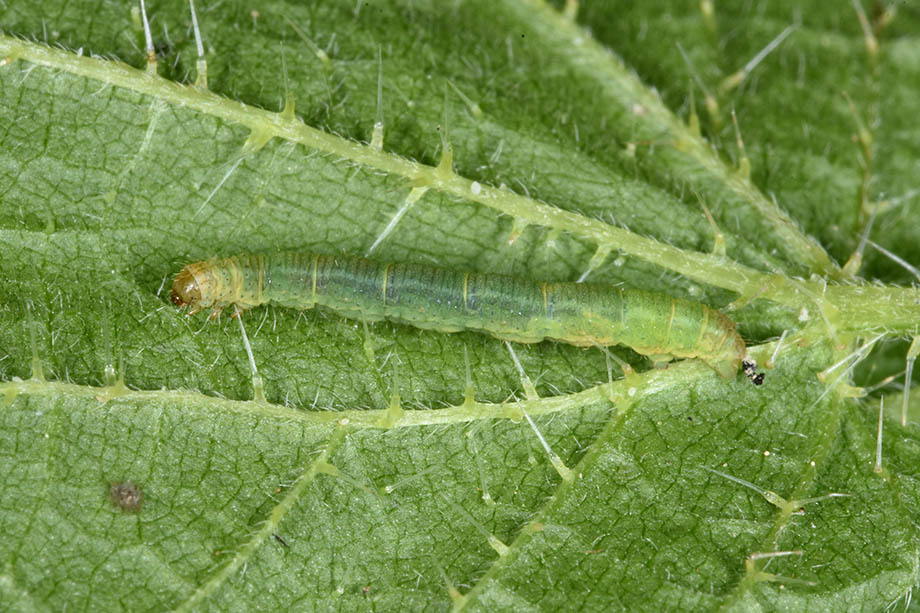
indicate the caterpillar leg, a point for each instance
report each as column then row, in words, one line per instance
column 216, row 310
column 661, row 360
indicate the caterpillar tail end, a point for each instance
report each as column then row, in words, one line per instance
column 728, row 368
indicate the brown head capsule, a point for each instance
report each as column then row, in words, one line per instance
column 185, row 290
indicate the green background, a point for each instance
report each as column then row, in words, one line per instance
column 107, row 191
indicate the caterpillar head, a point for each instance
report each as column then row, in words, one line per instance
column 186, row 291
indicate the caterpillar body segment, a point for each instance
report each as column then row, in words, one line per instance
column 431, row 298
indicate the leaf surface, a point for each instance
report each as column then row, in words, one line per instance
column 368, row 479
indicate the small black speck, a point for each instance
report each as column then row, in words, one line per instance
column 281, row 540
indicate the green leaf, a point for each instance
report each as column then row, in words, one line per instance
column 138, row 471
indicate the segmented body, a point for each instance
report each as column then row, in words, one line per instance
column 512, row 309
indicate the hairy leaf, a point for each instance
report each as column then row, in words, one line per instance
column 735, row 154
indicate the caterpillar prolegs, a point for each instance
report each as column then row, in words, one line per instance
column 431, row 298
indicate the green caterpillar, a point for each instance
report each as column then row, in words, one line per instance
column 511, row 309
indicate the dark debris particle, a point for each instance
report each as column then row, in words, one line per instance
column 749, row 367
column 126, row 495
